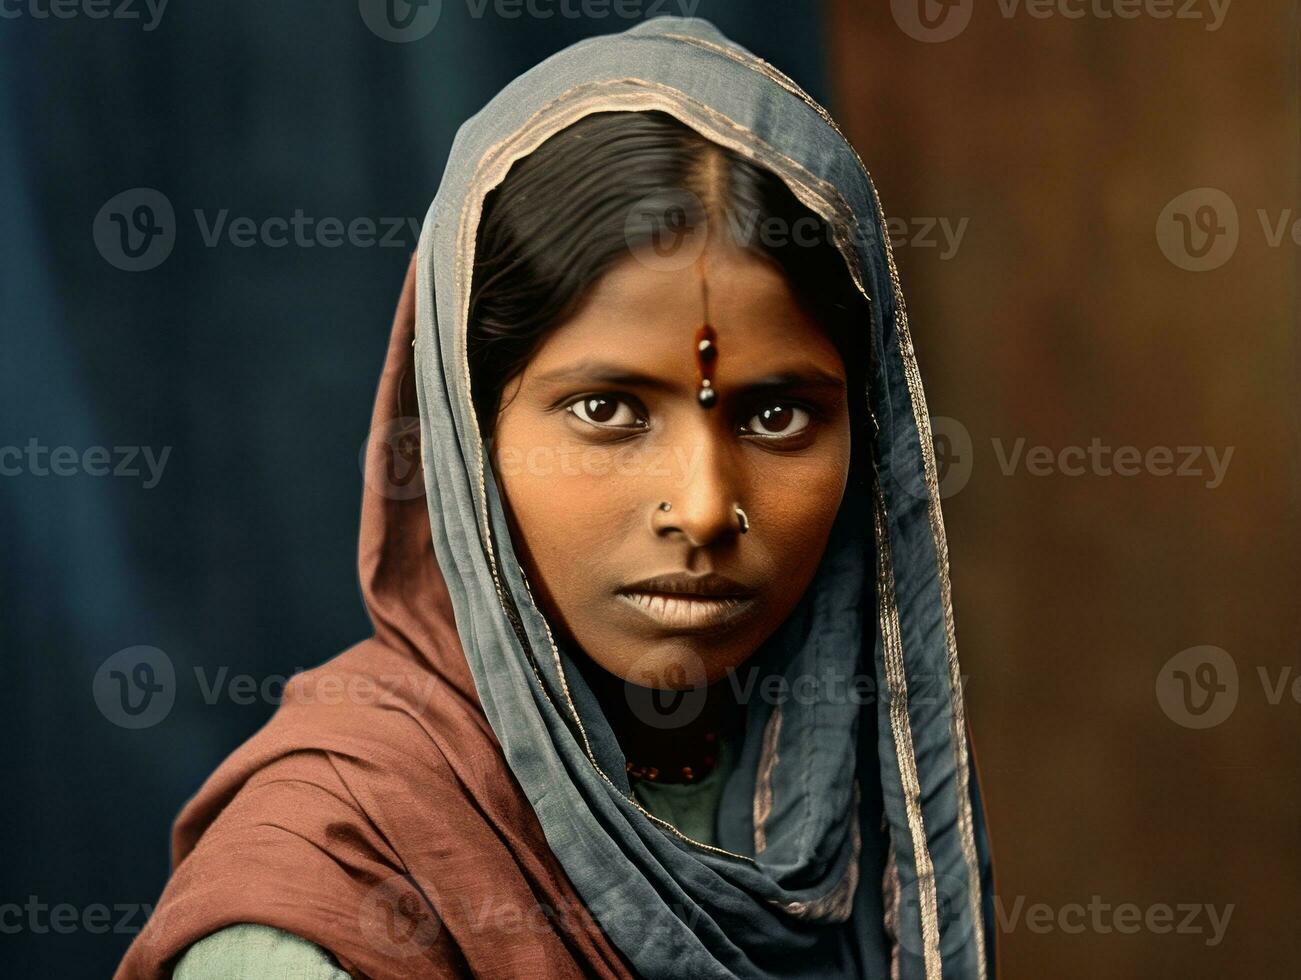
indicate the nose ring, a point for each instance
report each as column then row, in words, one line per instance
column 740, row 514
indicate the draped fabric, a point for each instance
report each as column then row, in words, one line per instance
column 832, row 799
column 469, row 811
column 374, row 814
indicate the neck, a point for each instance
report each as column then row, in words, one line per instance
column 667, row 736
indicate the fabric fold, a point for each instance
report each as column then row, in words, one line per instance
column 462, row 807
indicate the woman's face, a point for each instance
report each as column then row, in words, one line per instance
column 603, row 425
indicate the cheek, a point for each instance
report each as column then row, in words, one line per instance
column 564, row 501
column 798, row 499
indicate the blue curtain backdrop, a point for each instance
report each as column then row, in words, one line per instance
column 214, row 401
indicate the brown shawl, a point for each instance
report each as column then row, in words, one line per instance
column 375, row 814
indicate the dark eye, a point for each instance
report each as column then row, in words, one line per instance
column 778, row 421
column 606, row 412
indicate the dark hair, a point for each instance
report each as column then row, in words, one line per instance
column 561, row 219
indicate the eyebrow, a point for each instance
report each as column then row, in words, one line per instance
column 598, row 372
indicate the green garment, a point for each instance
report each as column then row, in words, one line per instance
column 252, row 952
column 691, row 807
column 247, row 951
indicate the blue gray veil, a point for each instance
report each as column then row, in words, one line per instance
column 850, row 835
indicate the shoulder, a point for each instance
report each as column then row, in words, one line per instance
column 256, row 952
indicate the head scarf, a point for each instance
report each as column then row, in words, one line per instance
column 374, row 814
column 850, row 837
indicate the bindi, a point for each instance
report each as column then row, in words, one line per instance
column 706, row 355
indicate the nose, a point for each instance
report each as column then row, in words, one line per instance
column 704, row 497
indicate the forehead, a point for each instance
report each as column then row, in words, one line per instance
column 645, row 313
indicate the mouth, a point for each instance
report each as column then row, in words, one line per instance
column 690, row 603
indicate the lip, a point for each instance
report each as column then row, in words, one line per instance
column 711, row 585
column 690, row 603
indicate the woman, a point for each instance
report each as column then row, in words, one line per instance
column 663, row 680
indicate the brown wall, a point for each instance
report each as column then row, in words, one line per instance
column 1060, row 319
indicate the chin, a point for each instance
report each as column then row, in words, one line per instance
column 675, row 663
